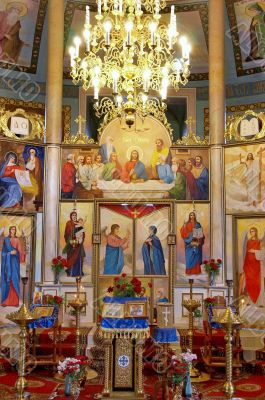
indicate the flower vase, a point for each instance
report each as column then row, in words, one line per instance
column 212, row 279
column 67, row 385
column 56, row 277
column 187, row 387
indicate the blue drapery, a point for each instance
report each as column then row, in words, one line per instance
column 165, row 335
column 124, row 323
column 10, row 269
column 44, row 322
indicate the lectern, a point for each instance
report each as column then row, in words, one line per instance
column 124, row 328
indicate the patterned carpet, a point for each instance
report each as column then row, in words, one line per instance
column 42, row 384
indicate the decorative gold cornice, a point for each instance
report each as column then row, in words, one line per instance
column 191, row 139
column 232, row 133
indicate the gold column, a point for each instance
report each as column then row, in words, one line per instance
column 140, row 389
column 107, row 367
column 53, row 116
column 217, row 120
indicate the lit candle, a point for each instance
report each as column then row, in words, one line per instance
column 157, row 6
column 183, row 42
column 138, row 5
column 152, row 27
column 129, row 28
column 146, row 76
column 87, row 39
column 164, row 83
column 105, row 4
column 119, row 101
column 107, row 26
column 99, row 7
column 96, row 91
column 120, row 6
column 72, row 55
column 116, row 5
column 77, row 42
column 172, row 15
column 115, row 78
column 87, row 16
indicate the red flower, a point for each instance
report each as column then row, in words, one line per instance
column 110, row 289
column 123, row 275
column 123, row 287
column 219, row 260
column 137, row 289
column 205, row 262
column 215, row 267
column 150, row 285
column 212, row 260
column 118, row 286
column 64, row 263
column 55, row 261
column 58, row 299
column 116, row 279
column 59, row 257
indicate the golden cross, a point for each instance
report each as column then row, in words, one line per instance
column 135, row 213
column 189, row 122
column 79, row 120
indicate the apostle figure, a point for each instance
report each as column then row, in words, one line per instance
column 106, row 149
column 74, row 247
column 164, row 170
column 68, row 177
column 251, row 179
column 112, row 169
column 13, row 254
column 10, row 26
column 178, row 192
column 256, row 31
column 10, row 191
column 98, row 167
column 161, row 149
column 134, row 170
column 153, row 255
column 86, row 186
column 201, row 174
column 192, row 234
column 252, row 278
column 114, row 257
column 33, row 165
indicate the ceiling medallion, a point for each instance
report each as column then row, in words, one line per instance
column 129, row 51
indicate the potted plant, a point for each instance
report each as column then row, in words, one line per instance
column 212, row 267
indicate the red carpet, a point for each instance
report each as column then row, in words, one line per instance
column 42, row 384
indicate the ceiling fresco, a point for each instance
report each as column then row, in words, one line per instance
column 192, row 22
column 247, row 30
column 21, row 25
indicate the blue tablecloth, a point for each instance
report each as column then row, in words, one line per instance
column 165, row 335
column 44, row 322
column 124, row 323
column 122, row 300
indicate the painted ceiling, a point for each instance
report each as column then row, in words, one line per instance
column 25, row 49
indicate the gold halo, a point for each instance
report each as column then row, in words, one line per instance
column 259, row 230
column 22, row 8
column 138, row 149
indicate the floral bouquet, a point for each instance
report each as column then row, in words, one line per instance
column 54, row 300
column 179, row 370
column 209, row 302
column 212, row 266
column 125, row 287
column 74, row 367
column 58, row 264
column 188, row 357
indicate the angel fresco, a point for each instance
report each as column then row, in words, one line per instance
column 13, row 254
column 251, row 280
column 115, row 247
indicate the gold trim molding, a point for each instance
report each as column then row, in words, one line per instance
column 191, row 139
column 37, row 126
column 233, row 122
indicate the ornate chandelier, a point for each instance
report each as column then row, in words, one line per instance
column 130, row 52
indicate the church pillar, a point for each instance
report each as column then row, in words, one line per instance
column 217, row 121
column 54, row 96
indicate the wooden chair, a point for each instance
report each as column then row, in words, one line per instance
column 213, row 352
